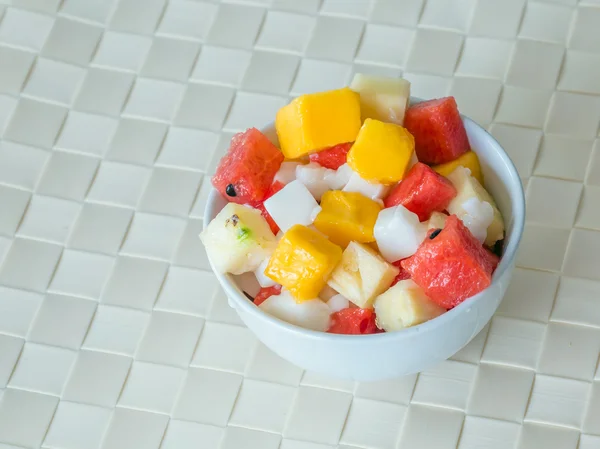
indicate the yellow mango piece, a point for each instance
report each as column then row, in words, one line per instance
column 381, row 152
column 468, row 160
column 312, row 122
column 303, row 261
column 346, row 217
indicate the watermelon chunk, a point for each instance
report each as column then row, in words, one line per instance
column 422, row 191
column 402, row 274
column 451, row 265
column 332, row 157
column 266, row 292
column 275, row 187
column 353, row 321
column 438, row 130
column 246, row 172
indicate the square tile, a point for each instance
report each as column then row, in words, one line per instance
column 471, row 353
column 93, row 10
column 583, row 34
column 552, row 202
column 154, row 99
column 484, row 57
column 581, row 256
column 262, row 405
column 512, row 110
column 97, row 378
column 580, row 71
column 187, row 290
column 500, row 392
column 391, row 12
column 585, row 125
column 318, row 415
column 170, row 191
column 190, row 251
column 20, row 165
column 49, row 218
column 479, row 432
column 54, row 81
column 530, row 295
column 494, row 19
column 7, row 107
column 477, row 98
column 593, row 173
column 306, row 7
column 29, row 264
column 589, row 442
column 535, row 251
column 122, row 51
column 286, row 31
column 170, row 59
column 87, row 133
column 235, row 26
column 100, row 228
column 521, row 144
column 77, row 426
column 14, row 203
column 10, row 350
column 265, row 364
column 557, row 401
column 204, row 106
column 570, row 351
column 416, row 431
column 141, row 239
column 116, row 329
column 592, row 414
column 535, row 64
column 14, row 68
column 357, row 8
column 42, row 368
column 236, row 437
column 17, row 310
column 398, row 391
column 383, row 44
column 72, row 41
column 74, row 314
column 137, row 16
column 221, row 65
column 335, row 38
column 446, row 385
column 133, row 428
column 135, row 282
column 563, row 157
column 81, row 273
column 270, row 72
column 434, row 51
column 453, row 15
column 202, row 197
column 45, row 118
column 224, row 347
column 151, row 387
column 187, row 19
column 249, row 109
column 317, row 76
column 25, row 29
column 575, row 302
column 588, row 216
column 546, row 22
column 550, row 437
column 207, row 396
column 514, row 342
column 104, row 91
column 25, row 417
column 137, row 141
column 170, row 339
column 186, row 148
column 186, row 434
column 381, row 418
column 67, row 175
column 120, row 184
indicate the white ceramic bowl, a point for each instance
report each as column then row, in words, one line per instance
column 388, row 355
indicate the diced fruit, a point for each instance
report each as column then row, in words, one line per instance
column 327, row 293
column 287, row 172
column 275, row 187
column 266, row 292
column 368, row 189
column 311, row 314
column 361, row 275
column 292, row 205
column 237, row 239
column 246, row 172
column 337, row 303
column 422, row 191
column 313, row 176
column 353, row 321
column 479, row 215
column 468, row 160
column 262, row 279
column 398, row 233
column 338, row 179
column 437, row 220
column 402, row 273
column 347, row 216
column 451, row 265
column 468, row 187
column 381, row 152
column 404, row 305
column 316, row 121
column 303, row 261
column 438, row 130
column 382, row 98
column 333, row 157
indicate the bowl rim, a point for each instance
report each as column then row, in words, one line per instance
column 234, row 293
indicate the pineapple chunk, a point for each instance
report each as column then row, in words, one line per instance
column 238, row 239
column 361, row 275
column 467, row 188
column 404, row 305
column 382, row 98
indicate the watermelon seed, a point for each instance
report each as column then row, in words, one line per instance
column 230, row 190
column 434, row 234
column 498, row 247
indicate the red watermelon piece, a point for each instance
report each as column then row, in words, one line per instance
column 246, row 172
column 353, row 321
column 422, row 191
column 266, row 292
column 275, row 187
column 438, row 130
column 333, row 157
column 453, row 266
column 402, row 274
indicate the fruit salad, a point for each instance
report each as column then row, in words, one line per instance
column 368, row 216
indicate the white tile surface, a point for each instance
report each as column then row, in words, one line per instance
column 80, row 273
column 67, row 175
column 133, row 428
column 449, row 384
column 77, row 426
column 417, row 431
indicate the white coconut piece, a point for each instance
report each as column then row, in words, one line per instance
column 292, row 205
column 398, row 233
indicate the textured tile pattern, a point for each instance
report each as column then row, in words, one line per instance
column 113, row 115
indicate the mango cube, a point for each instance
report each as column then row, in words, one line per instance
column 303, row 261
column 381, row 152
column 347, row 216
column 315, row 121
column 468, row 160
